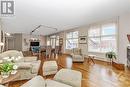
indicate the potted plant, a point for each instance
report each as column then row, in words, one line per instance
column 6, row 68
column 111, row 55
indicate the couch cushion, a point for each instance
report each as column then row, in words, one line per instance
column 50, row 66
column 11, row 53
column 52, row 83
column 77, row 51
column 77, row 56
column 24, row 65
column 30, row 58
column 37, row 81
column 70, row 77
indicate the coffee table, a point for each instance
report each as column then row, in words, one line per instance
column 12, row 77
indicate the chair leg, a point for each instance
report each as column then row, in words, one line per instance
column 88, row 59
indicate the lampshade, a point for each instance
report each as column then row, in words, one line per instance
column 1, row 43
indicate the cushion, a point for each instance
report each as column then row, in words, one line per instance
column 52, row 83
column 70, row 77
column 37, row 81
column 11, row 53
column 77, row 56
column 29, row 59
column 50, row 66
column 23, row 65
column 77, row 51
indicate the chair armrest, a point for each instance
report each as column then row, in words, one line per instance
column 37, row 81
column 2, row 86
column 30, row 59
column 72, row 54
column 35, row 67
column 69, row 77
column 23, row 65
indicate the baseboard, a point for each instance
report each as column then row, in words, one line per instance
column 118, row 66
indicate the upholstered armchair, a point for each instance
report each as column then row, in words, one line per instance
column 77, row 55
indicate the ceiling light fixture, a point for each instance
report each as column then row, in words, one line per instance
column 8, row 34
column 42, row 26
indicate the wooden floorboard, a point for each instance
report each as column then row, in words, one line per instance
column 100, row 74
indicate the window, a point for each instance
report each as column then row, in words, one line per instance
column 72, row 40
column 53, row 41
column 57, row 41
column 102, row 38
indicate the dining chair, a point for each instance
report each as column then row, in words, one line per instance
column 56, row 52
column 48, row 51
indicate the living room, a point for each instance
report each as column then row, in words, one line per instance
column 77, row 43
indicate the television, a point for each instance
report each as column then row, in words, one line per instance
column 34, row 44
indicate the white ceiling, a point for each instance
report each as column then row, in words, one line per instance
column 61, row 14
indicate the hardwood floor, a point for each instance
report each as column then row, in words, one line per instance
column 100, row 74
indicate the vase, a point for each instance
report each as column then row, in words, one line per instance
column 5, row 74
column 13, row 72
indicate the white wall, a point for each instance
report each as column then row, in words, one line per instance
column 124, row 29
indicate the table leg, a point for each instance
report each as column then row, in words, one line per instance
column 88, row 59
column 93, row 60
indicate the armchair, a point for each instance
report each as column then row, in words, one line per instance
column 77, row 56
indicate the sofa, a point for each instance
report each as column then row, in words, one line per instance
column 63, row 78
column 28, row 67
column 77, row 55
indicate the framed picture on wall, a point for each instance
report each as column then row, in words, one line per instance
column 82, row 39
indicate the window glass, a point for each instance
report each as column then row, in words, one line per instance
column 108, row 30
column 103, row 38
column 108, row 44
column 69, row 35
column 75, row 34
column 72, row 40
column 94, row 32
column 94, row 44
